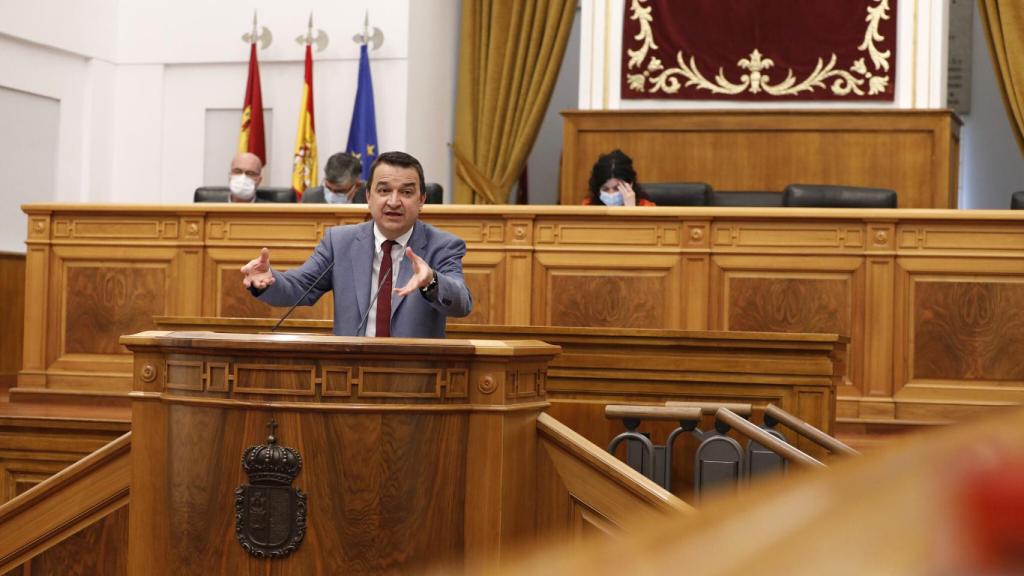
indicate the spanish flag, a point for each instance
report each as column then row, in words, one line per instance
column 251, row 138
column 304, row 166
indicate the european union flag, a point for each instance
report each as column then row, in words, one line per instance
column 362, row 135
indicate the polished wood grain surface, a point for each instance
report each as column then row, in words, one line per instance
column 423, row 454
column 942, row 502
column 912, row 289
column 601, row 366
column 12, row 316
column 66, row 503
column 915, row 152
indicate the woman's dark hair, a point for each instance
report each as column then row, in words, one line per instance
column 614, row 164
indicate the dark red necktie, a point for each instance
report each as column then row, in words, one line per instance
column 384, row 291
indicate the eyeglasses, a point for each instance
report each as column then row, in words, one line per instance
column 249, row 173
column 340, row 189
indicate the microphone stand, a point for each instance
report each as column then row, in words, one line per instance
column 304, row 294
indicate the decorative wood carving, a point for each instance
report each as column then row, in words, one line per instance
column 104, row 302
column 968, row 331
column 635, row 300
column 571, row 266
column 766, row 304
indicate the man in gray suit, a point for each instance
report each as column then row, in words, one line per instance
column 414, row 268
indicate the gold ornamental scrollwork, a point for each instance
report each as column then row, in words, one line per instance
column 654, row 77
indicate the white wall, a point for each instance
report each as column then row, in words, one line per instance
column 433, row 67
column 545, row 160
column 992, row 166
column 135, row 79
column 27, row 154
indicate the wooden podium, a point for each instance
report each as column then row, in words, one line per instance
column 413, row 452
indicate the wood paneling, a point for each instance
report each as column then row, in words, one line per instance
column 418, row 478
column 877, row 276
column 12, row 316
column 915, row 152
column 939, row 504
column 62, row 506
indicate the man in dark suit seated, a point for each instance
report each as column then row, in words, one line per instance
column 246, row 175
column 341, row 182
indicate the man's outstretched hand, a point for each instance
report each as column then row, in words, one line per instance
column 256, row 274
column 421, row 274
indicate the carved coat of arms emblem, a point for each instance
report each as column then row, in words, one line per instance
column 270, row 515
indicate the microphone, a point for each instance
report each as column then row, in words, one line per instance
column 299, row 299
column 373, row 300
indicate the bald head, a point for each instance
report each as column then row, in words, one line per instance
column 249, row 164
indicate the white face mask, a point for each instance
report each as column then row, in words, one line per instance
column 333, row 197
column 242, row 187
column 612, row 198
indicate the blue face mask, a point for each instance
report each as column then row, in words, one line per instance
column 333, row 197
column 612, row 198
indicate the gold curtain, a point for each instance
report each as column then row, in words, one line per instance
column 511, row 51
column 1003, row 21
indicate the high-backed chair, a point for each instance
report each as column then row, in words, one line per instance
column 435, row 195
column 738, row 198
column 678, row 193
column 316, row 196
column 827, row 196
column 222, row 194
column 1017, row 200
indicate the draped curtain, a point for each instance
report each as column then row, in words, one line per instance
column 1003, row 21
column 511, row 51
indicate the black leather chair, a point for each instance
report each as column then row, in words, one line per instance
column 222, row 194
column 1017, row 200
column 678, row 193
column 435, row 195
column 737, row 198
column 826, row 196
column 316, row 196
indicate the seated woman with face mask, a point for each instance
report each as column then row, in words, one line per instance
column 613, row 183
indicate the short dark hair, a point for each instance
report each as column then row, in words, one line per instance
column 615, row 164
column 342, row 168
column 400, row 159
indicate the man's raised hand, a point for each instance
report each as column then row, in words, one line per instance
column 257, row 274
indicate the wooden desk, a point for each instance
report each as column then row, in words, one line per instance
column 914, row 152
column 932, row 300
column 599, row 366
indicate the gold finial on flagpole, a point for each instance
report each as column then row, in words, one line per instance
column 264, row 38
column 320, row 38
column 377, row 38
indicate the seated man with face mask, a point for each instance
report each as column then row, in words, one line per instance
column 613, row 183
column 246, row 175
column 342, row 184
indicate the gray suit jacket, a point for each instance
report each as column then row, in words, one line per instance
column 350, row 249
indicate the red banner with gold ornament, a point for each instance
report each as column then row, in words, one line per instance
column 762, row 50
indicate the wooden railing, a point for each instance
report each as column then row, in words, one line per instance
column 584, row 488
column 944, row 502
column 66, row 503
column 746, row 428
column 773, row 412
